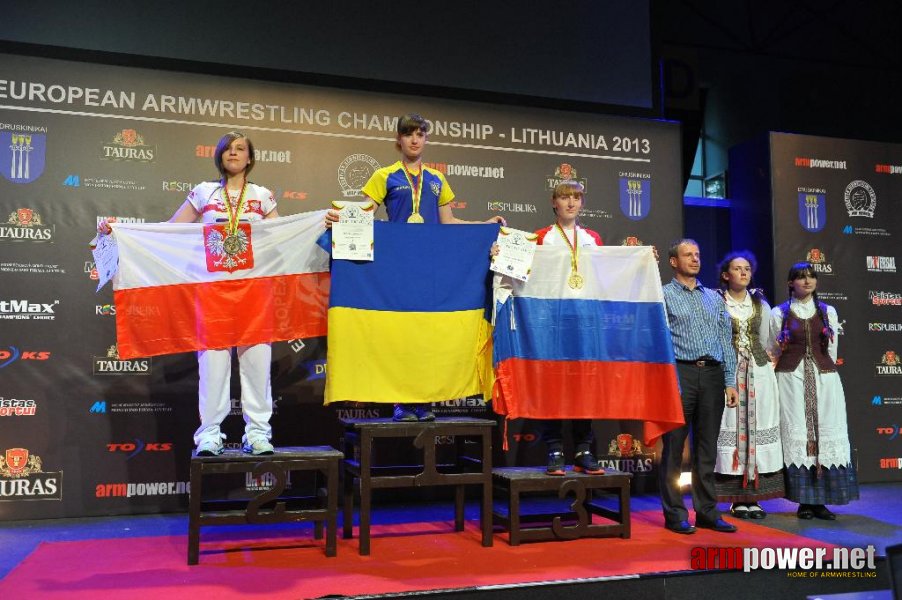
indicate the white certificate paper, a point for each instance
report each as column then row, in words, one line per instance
column 106, row 258
column 352, row 235
column 516, row 251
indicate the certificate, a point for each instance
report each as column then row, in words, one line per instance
column 352, row 235
column 106, row 257
column 516, row 249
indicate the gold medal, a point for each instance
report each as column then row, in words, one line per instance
column 575, row 281
column 231, row 244
column 415, row 218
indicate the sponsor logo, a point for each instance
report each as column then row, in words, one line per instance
column 890, row 431
column 316, row 369
column 635, row 196
column 36, row 268
column 22, row 477
column 262, row 156
column 25, row 225
column 801, row 563
column 111, row 364
column 22, row 152
column 11, row 354
column 235, row 404
column 134, row 310
column 819, row 163
column 890, row 364
column 119, row 219
column 26, row 310
column 292, row 195
column 888, row 169
column 128, row 145
column 457, row 205
column 880, row 298
column 181, row 187
column 265, row 481
column 885, row 327
column 139, row 446
column 812, row 211
column 885, row 400
column 818, row 260
column 894, row 462
column 101, row 407
column 627, row 454
column 14, row 407
column 91, row 270
column 461, row 406
column 151, row 488
column 564, row 172
column 860, row 199
column 467, row 170
column 511, row 207
column 353, row 173
column 881, row 264
column 357, row 413
column 75, row 180
column 632, row 240
column 872, row 231
column 832, row 296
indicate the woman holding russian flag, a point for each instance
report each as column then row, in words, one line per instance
column 231, row 201
column 749, row 463
column 567, row 202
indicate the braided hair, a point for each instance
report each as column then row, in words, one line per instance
column 798, row 271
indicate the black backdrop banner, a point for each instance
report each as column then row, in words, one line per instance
column 85, row 433
column 836, row 203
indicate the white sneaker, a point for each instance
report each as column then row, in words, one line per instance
column 209, row 447
column 257, row 446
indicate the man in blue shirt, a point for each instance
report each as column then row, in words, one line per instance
column 706, row 366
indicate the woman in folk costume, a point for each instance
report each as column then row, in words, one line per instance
column 816, row 450
column 749, row 465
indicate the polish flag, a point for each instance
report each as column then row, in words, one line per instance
column 177, row 289
column 601, row 351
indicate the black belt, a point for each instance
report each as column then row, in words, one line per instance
column 701, row 362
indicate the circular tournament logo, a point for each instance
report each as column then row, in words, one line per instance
column 860, row 199
column 353, row 173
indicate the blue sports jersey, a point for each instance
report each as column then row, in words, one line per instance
column 389, row 185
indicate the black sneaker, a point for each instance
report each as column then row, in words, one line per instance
column 555, row 463
column 424, row 412
column 586, row 463
column 404, row 412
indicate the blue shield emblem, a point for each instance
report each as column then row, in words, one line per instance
column 22, row 155
column 635, row 197
column 812, row 211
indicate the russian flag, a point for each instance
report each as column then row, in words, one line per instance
column 168, row 300
column 411, row 325
column 600, row 352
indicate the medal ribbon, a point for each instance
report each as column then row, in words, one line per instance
column 234, row 212
column 574, row 247
column 416, row 191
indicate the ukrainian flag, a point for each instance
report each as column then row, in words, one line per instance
column 411, row 325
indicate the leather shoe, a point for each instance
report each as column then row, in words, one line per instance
column 682, row 527
column 806, row 511
column 822, row 512
column 718, row 525
column 740, row 511
column 756, row 512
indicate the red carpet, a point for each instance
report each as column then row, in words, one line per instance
column 409, row 557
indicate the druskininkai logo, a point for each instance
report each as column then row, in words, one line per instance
column 22, row 155
column 812, row 211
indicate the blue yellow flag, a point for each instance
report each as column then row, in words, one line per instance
column 411, row 325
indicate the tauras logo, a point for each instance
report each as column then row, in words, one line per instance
column 111, row 364
column 890, row 364
column 25, row 225
column 22, row 477
column 25, row 309
column 128, row 145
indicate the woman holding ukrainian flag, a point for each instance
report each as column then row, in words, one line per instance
column 412, row 193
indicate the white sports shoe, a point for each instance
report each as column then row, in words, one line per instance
column 210, row 447
column 257, row 446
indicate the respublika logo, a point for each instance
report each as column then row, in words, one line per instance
column 22, row 152
column 885, row 327
column 812, row 211
column 353, row 173
column 635, row 196
column 511, row 207
column 23, row 309
column 22, row 477
column 25, row 225
column 881, row 264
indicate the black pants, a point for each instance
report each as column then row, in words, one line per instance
column 702, row 390
column 553, row 436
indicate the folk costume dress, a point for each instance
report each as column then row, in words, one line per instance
column 815, row 433
column 552, row 429
column 215, row 364
column 749, row 464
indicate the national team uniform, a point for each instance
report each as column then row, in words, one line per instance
column 390, row 186
column 215, row 365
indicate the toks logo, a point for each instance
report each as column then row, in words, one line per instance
column 11, row 354
column 138, row 446
column 892, row 432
